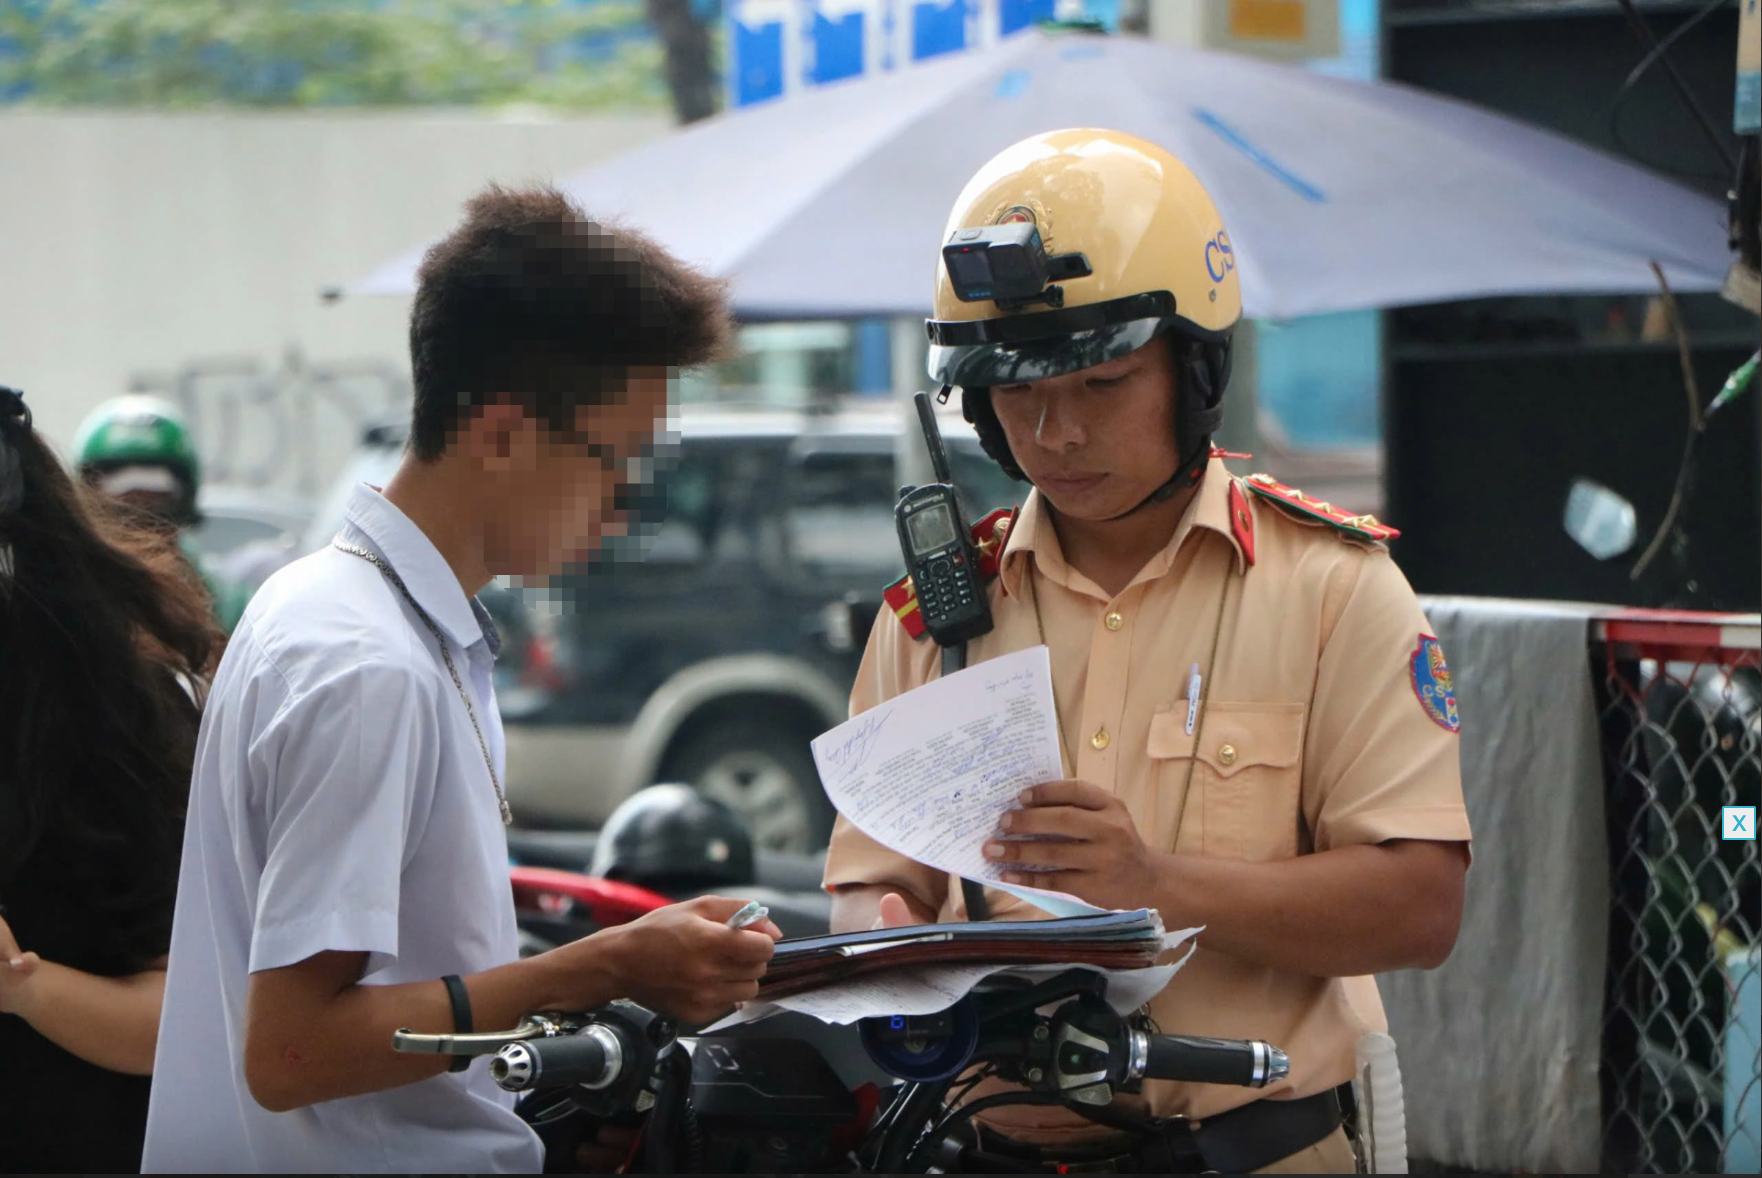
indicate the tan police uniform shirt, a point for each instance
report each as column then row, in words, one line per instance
column 1313, row 736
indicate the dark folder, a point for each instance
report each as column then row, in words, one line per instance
column 1114, row 940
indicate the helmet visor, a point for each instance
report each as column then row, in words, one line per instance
column 981, row 353
column 983, row 365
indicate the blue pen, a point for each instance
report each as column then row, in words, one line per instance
column 1192, row 697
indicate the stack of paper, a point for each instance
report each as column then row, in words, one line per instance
column 928, row 773
column 925, row 989
column 1111, row 941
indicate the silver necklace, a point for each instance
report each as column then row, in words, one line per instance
column 446, row 656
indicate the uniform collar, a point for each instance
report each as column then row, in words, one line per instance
column 418, row 563
column 1033, row 533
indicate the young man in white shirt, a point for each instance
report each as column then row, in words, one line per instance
column 345, row 869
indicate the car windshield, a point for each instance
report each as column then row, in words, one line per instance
column 840, row 502
column 840, row 511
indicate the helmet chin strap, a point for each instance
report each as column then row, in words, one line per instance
column 1187, row 475
column 1197, row 415
column 1194, row 422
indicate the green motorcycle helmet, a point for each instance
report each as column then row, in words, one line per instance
column 142, row 432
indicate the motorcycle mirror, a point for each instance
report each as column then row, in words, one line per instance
column 1602, row 522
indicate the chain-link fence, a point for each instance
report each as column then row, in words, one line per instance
column 1681, row 703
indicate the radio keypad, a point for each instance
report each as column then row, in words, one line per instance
column 940, row 588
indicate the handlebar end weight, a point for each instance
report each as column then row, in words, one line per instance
column 923, row 1049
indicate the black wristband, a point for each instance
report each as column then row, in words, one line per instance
column 461, row 999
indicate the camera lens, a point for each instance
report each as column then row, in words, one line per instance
column 969, row 269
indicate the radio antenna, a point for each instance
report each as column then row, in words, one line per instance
column 932, row 438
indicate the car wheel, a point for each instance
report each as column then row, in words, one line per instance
column 764, row 774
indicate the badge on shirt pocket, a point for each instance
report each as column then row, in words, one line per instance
column 1246, row 784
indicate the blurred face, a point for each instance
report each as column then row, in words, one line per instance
column 1098, row 441
column 154, row 493
column 554, row 493
column 154, row 504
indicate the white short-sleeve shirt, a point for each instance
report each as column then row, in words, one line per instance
column 340, row 801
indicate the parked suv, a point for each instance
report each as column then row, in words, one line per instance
column 714, row 652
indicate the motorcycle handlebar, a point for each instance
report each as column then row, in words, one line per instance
column 592, row 1059
column 1246, row 1063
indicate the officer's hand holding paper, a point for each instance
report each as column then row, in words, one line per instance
column 929, row 773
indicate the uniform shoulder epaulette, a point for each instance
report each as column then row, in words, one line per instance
column 989, row 536
column 1300, row 506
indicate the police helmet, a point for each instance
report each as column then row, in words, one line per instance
column 672, row 838
column 1075, row 247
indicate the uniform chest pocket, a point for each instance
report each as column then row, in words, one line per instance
column 1246, row 766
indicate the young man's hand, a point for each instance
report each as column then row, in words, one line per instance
column 685, row 962
column 15, row 967
column 1078, row 838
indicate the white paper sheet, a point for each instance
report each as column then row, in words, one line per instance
column 929, row 773
column 928, row 989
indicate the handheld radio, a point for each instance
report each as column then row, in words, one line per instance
column 938, row 548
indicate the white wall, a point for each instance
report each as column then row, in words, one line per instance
column 132, row 244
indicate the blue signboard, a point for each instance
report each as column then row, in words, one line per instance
column 778, row 47
column 1016, row 15
column 838, row 47
column 757, row 51
column 938, row 28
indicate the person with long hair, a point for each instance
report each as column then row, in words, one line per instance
column 106, row 640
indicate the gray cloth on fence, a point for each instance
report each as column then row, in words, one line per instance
column 1499, row 1048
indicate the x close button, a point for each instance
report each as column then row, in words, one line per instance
column 1738, row 823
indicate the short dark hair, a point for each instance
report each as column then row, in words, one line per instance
column 531, row 298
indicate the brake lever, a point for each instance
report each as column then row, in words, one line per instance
column 532, row 1026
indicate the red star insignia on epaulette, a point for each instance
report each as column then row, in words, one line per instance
column 1364, row 527
column 990, row 535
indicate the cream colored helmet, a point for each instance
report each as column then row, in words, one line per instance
column 1134, row 248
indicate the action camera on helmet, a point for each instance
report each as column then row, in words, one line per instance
column 1009, row 265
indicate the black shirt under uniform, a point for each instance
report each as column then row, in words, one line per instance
column 59, row 1113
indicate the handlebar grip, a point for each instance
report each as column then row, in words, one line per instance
column 593, row 1059
column 1246, row 1063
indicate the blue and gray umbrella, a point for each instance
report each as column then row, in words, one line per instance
column 1338, row 194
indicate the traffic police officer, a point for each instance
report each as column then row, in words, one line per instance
column 138, row 450
column 1260, row 736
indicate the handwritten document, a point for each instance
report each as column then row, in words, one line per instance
column 928, row 989
column 929, row 773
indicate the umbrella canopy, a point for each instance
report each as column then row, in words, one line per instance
column 1338, row 195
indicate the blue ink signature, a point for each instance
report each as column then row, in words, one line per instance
column 1019, row 679
column 847, row 758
